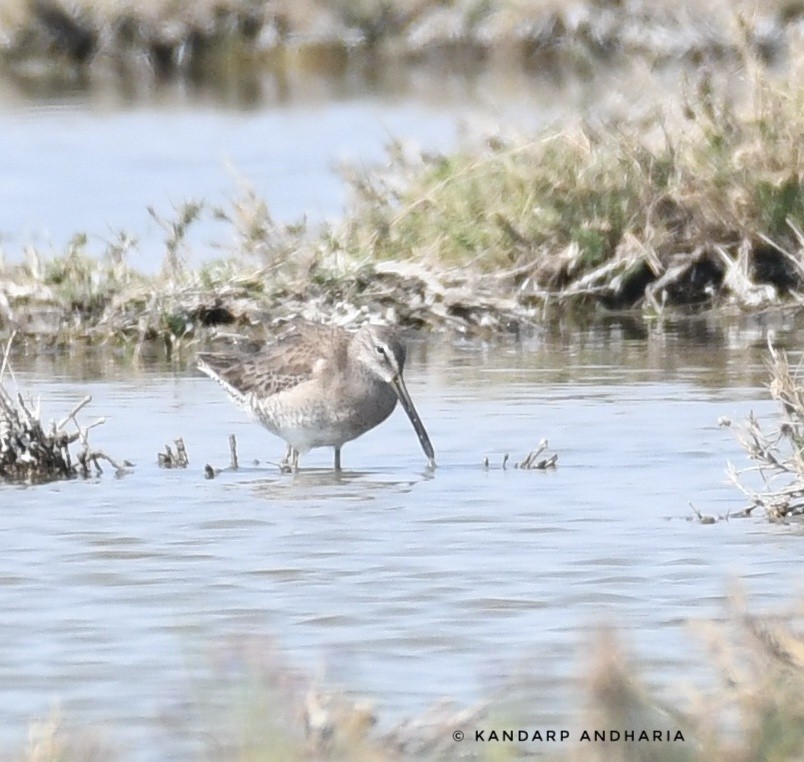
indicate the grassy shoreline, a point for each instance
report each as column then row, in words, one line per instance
column 699, row 207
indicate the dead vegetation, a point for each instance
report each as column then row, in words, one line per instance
column 530, row 462
column 265, row 709
column 51, row 740
column 778, row 449
column 171, row 459
column 753, row 710
column 707, row 214
column 31, row 453
column 697, row 206
column 692, row 213
column 210, row 471
column 756, row 709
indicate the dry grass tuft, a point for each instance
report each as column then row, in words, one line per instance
column 756, row 711
column 262, row 709
column 707, row 213
column 31, row 453
column 50, row 741
column 778, row 452
column 700, row 206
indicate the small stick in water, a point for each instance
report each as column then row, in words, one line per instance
column 165, row 459
column 546, row 463
column 182, row 460
column 233, row 451
column 168, row 459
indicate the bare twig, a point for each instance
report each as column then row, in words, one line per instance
column 169, row 459
column 6, row 355
column 181, row 453
column 233, row 451
column 778, row 453
column 530, row 462
column 71, row 415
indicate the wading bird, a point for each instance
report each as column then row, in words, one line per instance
column 319, row 386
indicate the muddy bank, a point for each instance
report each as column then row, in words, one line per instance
column 255, row 49
column 81, row 298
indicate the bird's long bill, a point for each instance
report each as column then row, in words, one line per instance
column 407, row 403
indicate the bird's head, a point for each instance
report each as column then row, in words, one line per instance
column 381, row 352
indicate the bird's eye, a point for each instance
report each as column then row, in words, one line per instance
column 380, row 350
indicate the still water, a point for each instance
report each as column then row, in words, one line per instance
column 389, row 582
column 84, row 163
column 70, row 169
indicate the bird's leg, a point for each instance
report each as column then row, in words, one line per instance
column 286, row 464
column 337, row 458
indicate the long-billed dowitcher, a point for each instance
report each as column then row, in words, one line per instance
column 320, row 386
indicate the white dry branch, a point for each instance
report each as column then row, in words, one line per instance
column 778, row 452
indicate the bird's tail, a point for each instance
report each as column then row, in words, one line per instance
column 225, row 369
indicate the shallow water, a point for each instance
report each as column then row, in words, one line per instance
column 391, row 582
column 93, row 163
column 96, row 171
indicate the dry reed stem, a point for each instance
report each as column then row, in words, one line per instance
column 169, row 459
column 30, row 453
column 779, row 451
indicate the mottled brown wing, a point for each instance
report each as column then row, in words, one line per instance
column 288, row 360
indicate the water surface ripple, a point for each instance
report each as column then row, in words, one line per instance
column 397, row 584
